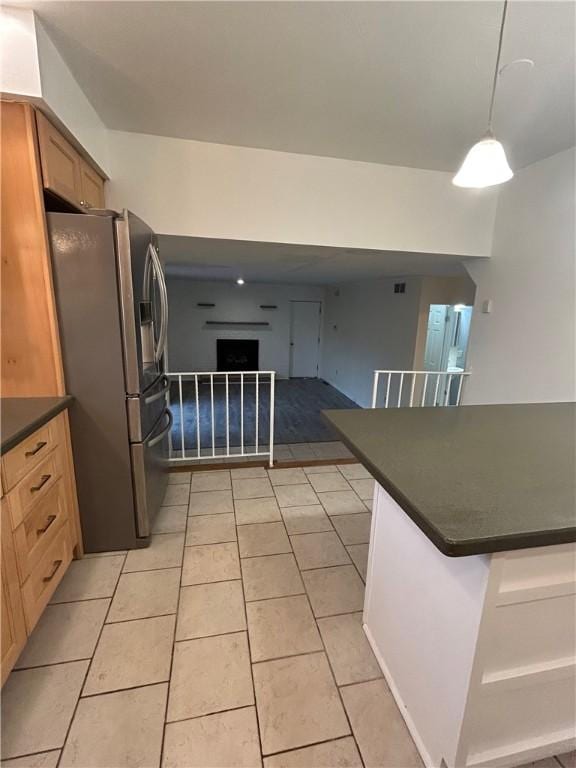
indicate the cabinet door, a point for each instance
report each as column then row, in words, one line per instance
column 92, row 187
column 13, row 632
column 31, row 364
column 61, row 164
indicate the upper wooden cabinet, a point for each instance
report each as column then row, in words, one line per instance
column 34, row 155
column 64, row 170
column 30, row 348
column 92, row 186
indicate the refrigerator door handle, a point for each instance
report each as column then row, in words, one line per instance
column 160, row 436
column 163, row 334
column 161, row 393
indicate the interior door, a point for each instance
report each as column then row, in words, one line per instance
column 304, row 338
column 433, row 354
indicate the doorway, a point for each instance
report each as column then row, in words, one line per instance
column 446, row 346
column 305, row 317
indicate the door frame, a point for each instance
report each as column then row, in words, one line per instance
column 291, row 337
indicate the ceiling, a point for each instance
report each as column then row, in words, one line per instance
column 404, row 83
column 211, row 259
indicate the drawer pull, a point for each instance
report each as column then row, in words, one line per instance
column 39, row 447
column 50, row 519
column 40, row 485
column 56, row 564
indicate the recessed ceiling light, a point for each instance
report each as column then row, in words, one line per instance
column 239, row 281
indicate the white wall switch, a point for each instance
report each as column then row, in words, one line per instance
column 487, row 306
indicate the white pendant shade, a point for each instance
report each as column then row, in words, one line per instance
column 485, row 165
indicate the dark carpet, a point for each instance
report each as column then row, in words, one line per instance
column 298, row 403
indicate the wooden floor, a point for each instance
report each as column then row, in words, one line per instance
column 298, row 403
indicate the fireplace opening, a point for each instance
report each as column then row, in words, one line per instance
column 236, row 354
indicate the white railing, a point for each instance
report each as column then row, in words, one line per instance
column 421, row 388
column 222, row 415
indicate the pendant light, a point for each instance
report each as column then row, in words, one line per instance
column 485, row 164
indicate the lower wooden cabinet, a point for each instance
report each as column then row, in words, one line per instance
column 40, row 530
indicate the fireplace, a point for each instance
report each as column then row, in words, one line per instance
column 236, row 354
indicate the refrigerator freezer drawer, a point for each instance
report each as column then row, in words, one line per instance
column 145, row 410
column 150, row 473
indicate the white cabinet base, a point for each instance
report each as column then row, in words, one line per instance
column 479, row 651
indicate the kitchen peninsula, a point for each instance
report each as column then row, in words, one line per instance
column 470, row 595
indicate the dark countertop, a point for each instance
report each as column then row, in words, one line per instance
column 21, row 416
column 474, row 479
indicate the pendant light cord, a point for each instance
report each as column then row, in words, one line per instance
column 497, row 68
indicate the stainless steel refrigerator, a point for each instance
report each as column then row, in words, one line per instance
column 113, row 314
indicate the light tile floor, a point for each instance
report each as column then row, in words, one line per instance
column 235, row 639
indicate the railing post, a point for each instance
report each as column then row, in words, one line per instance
column 460, row 385
column 212, row 413
column 242, row 414
column 257, row 412
column 412, row 388
column 400, row 389
column 169, row 404
column 388, row 389
column 197, row 416
column 435, row 403
column 181, row 417
column 271, row 436
column 423, row 401
column 227, row 420
column 447, row 395
column 375, row 389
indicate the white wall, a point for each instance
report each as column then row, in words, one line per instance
column 525, row 350
column 19, row 67
column 210, row 190
column 66, row 101
column 367, row 326
column 192, row 346
column 31, row 68
column 202, row 189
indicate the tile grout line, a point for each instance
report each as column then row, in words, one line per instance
column 69, row 728
column 313, row 744
column 211, row 714
column 171, row 667
column 334, row 676
column 257, row 714
column 350, row 556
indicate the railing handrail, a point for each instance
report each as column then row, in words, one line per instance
column 216, row 373
column 456, row 373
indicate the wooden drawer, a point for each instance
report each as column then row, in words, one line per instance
column 40, row 585
column 34, row 536
column 25, row 456
column 35, row 486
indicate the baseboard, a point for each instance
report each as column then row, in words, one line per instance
column 426, row 759
column 194, row 466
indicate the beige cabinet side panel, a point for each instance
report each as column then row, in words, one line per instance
column 13, row 628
